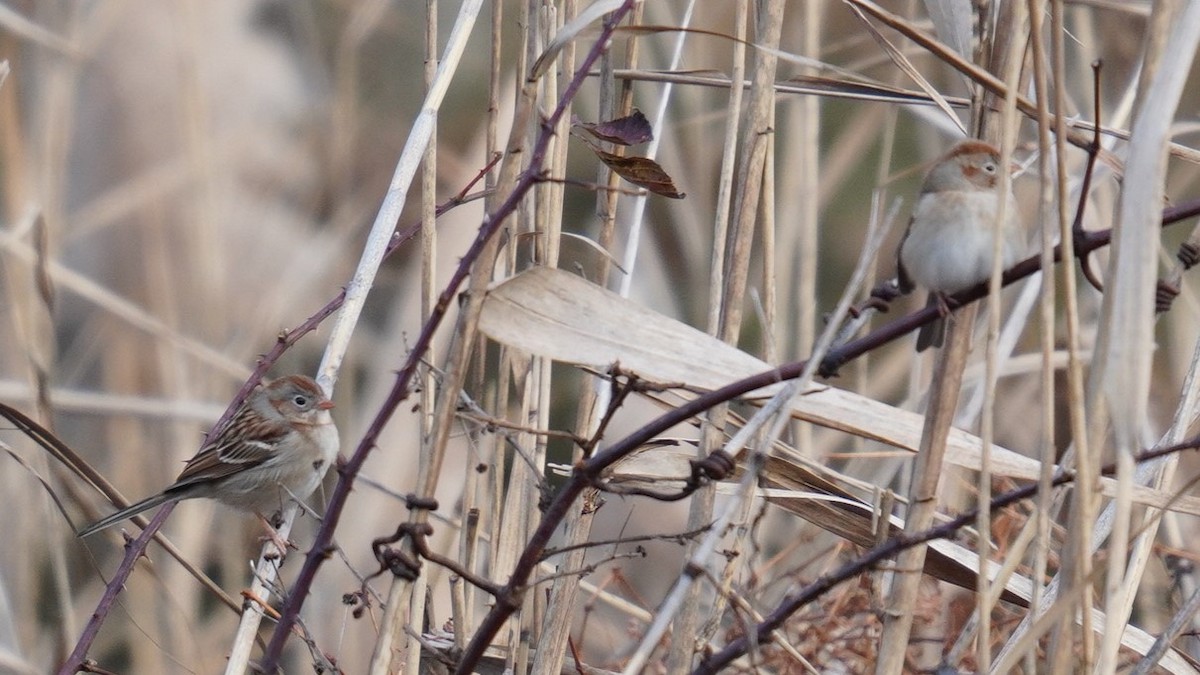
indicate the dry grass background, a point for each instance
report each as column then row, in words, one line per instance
column 182, row 181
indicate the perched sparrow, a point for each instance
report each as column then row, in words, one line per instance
column 948, row 245
column 278, row 446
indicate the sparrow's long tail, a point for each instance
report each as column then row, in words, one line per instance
column 128, row 512
column 931, row 334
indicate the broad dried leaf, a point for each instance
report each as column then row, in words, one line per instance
column 556, row 314
column 819, row 500
column 551, row 313
column 642, row 172
column 629, row 130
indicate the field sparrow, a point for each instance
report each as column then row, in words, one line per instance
column 948, row 245
column 278, row 446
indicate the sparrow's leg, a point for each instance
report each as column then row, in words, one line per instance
column 942, row 301
column 273, row 535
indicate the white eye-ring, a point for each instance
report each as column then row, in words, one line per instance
column 300, row 400
column 989, row 167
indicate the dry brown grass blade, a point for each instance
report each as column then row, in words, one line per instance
column 992, row 83
column 70, row 459
column 909, row 69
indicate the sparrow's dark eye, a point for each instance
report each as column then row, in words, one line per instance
column 300, row 400
column 989, row 167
